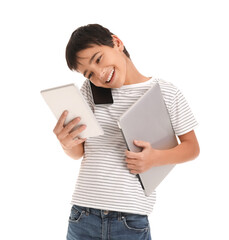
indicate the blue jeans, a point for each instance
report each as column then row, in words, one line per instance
column 94, row 224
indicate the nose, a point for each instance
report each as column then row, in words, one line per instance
column 99, row 72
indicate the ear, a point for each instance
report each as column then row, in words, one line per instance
column 117, row 42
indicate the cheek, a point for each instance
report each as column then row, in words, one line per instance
column 97, row 83
column 121, row 66
column 123, row 70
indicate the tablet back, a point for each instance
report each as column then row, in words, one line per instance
column 148, row 120
column 69, row 97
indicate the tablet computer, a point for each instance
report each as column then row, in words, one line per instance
column 68, row 97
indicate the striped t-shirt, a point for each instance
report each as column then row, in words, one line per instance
column 104, row 181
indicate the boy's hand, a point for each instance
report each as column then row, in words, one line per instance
column 142, row 161
column 68, row 138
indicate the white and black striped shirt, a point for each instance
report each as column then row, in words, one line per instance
column 104, row 181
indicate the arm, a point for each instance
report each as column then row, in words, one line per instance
column 187, row 150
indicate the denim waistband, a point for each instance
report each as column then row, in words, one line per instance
column 102, row 213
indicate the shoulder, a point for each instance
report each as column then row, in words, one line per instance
column 181, row 116
column 86, row 92
column 85, row 86
column 168, row 90
column 86, row 89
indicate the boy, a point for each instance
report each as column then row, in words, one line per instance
column 108, row 201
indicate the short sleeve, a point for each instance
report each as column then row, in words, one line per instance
column 181, row 116
column 86, row 92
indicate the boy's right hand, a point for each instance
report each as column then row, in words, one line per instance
column 64, row 134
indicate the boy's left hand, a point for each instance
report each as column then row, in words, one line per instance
column 139, row 162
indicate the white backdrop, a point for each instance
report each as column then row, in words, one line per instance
column 184, row 42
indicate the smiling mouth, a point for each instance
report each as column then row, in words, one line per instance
column 110, row 76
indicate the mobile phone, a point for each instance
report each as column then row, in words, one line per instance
column 101, row 95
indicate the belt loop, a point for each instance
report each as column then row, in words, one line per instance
column 119, row 216
column 87, row 211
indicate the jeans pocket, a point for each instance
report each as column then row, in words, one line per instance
column 75, row 215
column 138, row 223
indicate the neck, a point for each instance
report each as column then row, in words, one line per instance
column 133, row 75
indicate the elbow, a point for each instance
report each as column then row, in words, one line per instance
column 196, row 151
column 191, row 145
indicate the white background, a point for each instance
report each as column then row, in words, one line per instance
column 184, row 42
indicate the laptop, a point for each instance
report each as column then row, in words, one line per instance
column 148, row 120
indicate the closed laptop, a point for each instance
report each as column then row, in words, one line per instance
column 148, row 120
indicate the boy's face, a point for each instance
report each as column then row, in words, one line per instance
column 103, row 63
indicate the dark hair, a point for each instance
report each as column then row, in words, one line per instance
column 83, row 37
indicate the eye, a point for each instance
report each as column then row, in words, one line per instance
column 89, row 76
column 98, row 60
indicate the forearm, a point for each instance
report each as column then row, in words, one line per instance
column 76, row 152
column 149, row 157
column 185, row 151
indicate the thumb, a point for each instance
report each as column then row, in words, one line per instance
column 141, row 143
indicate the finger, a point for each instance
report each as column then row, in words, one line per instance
column 60, row 122
column 67, row 129
column 76, row 132
column 134, row 172
column 131, row 154
column 142, row 144
column 71, row 144
column 131, row 160
column 79, row 141
column 134, row 168
column 72, row 139
column 131, row 166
